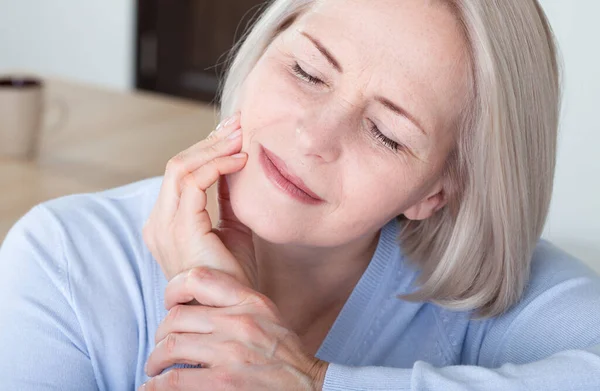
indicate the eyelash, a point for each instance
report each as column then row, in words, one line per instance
column 391, row 144
column 305, row 75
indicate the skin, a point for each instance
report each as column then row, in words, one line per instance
column 256, row 326
column 323, row 134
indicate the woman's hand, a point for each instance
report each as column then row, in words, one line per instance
column 236, row 335
column 179, row 231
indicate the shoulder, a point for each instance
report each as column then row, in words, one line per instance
column 559, row 310
column 91, row 242
column 128, row 203
column 551, row 265
column 555, row 276
column 89, row 222
column 98, row 230
column 92, row 220
column 559, row 278
column 82, row 233
column 89, row 249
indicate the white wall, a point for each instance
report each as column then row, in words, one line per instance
column 92, row 40
column 574, row 221
column 86, row 40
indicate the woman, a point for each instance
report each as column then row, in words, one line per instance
column 386, row 181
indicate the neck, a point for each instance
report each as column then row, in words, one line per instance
column 307, row 284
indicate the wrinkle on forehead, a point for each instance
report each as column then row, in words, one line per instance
column 430, row 66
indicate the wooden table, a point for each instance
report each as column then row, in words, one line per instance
column 104, row 139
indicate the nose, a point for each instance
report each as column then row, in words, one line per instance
column 322, row 132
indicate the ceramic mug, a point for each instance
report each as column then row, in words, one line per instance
column 21, row 116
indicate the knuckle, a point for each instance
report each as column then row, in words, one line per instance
column 174, row 379
column 200, row 273
column 174, row 314
column 266, row 304
column 247, row 327
column 214, row 148
column 188, row 181
column 175, row 164
column 245, row 322
column 150, row 386
column 171, row 343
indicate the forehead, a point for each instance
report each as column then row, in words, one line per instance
column 411, row 51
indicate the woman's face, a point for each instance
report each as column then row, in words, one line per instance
column 356, row 100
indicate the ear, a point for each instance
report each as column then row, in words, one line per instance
column 425, row 208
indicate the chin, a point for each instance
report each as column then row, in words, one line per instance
column 270, row 216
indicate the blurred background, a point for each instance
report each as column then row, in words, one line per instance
column 173, row 48
column 159, row 45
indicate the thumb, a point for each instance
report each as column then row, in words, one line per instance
column 235, row 235
column 226, row 214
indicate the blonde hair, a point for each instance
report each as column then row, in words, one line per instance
column 475, row 253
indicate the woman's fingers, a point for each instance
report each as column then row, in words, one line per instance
column 226, row 213
column 199, row 349
column 208, row 286
column 192, row 203
column 216, row 289
column 194, row 157
column 208, row 174
column 192, row 211
column 189, row 348
column 223, row 130
column 175, row 228
column 187, row 319
column 179, row 380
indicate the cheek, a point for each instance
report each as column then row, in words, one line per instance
column 269, row 98
column 379, row 187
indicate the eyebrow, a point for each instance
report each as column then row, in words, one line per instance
column 400, row 111
column 384, row 101
column 335, row 63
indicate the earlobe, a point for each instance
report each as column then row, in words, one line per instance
column 427, row 207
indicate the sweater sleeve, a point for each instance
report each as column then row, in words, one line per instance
column 42, row 347
column 575, row 370
column 550, row 343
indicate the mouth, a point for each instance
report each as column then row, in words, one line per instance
column 277, row 172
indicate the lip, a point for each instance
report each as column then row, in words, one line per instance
column 276, row 170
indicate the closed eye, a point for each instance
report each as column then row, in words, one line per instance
column 307, row 77
column 301, row 73
column 391, row 144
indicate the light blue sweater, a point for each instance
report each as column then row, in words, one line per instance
column 81, row 298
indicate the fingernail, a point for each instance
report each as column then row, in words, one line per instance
column 232, row 119
column 226, row 122
column 239, row 155
column 234, row 135
column 220, row 125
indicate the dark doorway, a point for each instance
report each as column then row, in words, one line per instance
column 181, row 44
